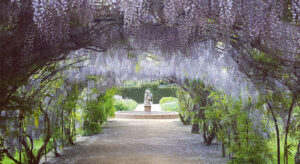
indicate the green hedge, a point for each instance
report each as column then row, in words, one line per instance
column 169, row 104
column 125, row 104
column 137, row 93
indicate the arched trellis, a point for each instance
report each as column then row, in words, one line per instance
column 258, row 38
column 36, row 33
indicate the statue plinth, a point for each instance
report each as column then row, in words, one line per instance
column 147, row 107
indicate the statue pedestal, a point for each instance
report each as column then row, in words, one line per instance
column 147, row 107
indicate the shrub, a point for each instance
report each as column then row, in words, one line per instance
column 97, row 111
column 92, row 128
column 125, row 104
column 167, row 100
column 169, row 104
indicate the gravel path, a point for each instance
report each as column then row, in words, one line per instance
column 141, row 142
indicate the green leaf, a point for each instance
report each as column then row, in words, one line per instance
column 137, row 67
column 36, row 120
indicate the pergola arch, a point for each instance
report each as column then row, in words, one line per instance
column 251, row 33
column 245, row 48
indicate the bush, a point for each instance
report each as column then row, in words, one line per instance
column 167, row 100
column 97, row 111
column 92, row 128
column 125, row 104
column 169, row 104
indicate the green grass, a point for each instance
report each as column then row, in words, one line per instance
column 291, row 158
column 6, row 160
column 169, row 104
column 36, row 144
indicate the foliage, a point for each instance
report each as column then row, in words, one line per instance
column 273, row 146
column 97, row 110
column 185, row 106
column 164, row 100
column 49, row 115
column 253, row 39
column 169, row 104
column 282, row 108
column 243, row 136
column 137, row 92
column 29, row 123
column 125, row 104
column 236, row 129
column 37, row 144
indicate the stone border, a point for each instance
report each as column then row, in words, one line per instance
column 146, row 115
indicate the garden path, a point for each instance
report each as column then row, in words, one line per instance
column 138, row 141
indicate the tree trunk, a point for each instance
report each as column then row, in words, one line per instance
column 195, row 128
column 55, row 148
column 278, row 139
column 20, row 134
column 277, row 132
column 74, row 124
column 62, row 128
column 297, row 155
column 223, row 150
column 229, row 154
column 287, row 128
column 47, row 136
column 182, row 118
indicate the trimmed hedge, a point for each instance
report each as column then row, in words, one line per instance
column 167, row 100
column 169, row 104
column 125, row 104
column 137, row 93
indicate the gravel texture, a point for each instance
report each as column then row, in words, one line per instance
column 129, row 141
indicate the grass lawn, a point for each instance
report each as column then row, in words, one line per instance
column 37, row 144
column 291, row 158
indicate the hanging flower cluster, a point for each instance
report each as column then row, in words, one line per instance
column 247, row 35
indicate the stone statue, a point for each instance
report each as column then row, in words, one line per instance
column 147, row 101
column 148, row 97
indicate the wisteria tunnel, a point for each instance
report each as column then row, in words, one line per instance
column 229, row 69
